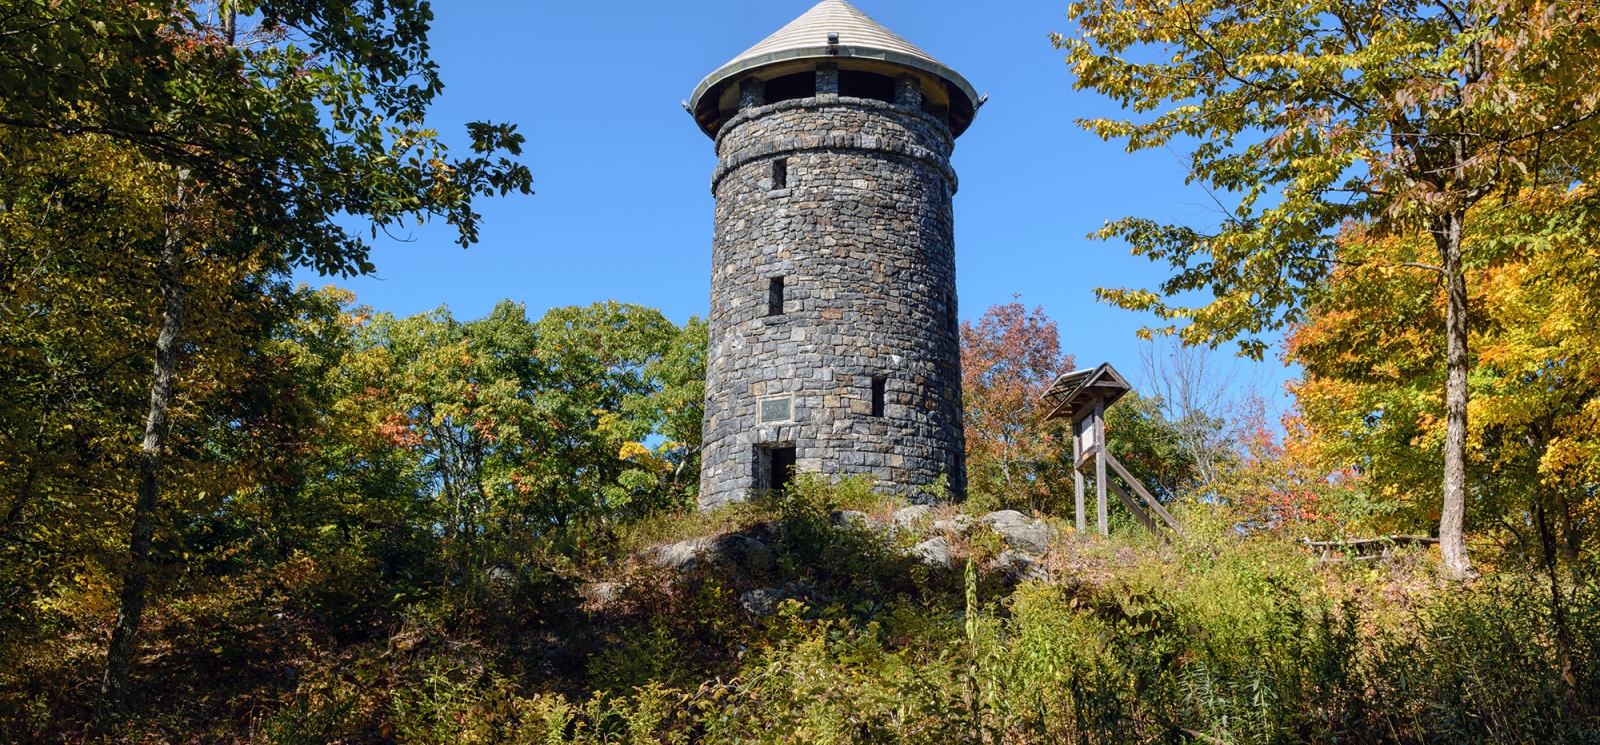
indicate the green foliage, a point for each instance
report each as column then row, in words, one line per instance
column 1241, row 645
column 1153, row 448
column 318, row 112
column 1300, row 117
column 521, row 424
column 344, row 613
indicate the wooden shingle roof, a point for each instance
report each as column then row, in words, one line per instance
column 1073, row 395
column 806, row 37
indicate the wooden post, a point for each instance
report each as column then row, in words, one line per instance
column 1077, row 477
column 1101, row 520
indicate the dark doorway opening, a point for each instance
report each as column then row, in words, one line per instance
column 782, row 469
column 775, row 468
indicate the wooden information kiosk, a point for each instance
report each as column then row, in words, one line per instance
column 1082, row 397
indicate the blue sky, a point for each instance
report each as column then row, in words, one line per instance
column 623, row 209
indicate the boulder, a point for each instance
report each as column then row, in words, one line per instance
column 762, row 601
column 853, row 519
column 682, row 556
column 958, row 525
column 1019, row 566
column 1019, row 530
column 501, row 575
column 934, row 552
column 740, row 549
column 601, row 593
column 910, row 518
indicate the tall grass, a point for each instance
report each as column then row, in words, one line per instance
column 1221, row 639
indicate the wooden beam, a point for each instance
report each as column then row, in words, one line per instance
column 1128, row 502
column 1077, row 480
column 1099, row 424
column 1085, row 457
column 1154, row 504
column 1057, row 409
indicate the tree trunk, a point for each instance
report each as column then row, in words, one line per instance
column 119, row 656
column 1452, row 535
column 1558, row 614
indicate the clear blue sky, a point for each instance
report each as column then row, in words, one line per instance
column 623, row 210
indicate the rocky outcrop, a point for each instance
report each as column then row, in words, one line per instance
column 740, row 549
column 1024, row 536
column 1019, row 566
column 913, row 517
column 1019, row 530
column 934, row 552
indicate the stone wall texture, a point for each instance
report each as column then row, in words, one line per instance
column 862, row 235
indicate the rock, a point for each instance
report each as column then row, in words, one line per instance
column 765, row 600
column 934, row 552
column 761, row 602
column 912, row 517
column 853, row 519
column 501, row 575
column 1019, row 530
column 682, row 556
column 958, row 525
column 740, row 549
column 1019, row 566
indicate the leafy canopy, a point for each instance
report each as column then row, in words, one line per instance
column 315, row 115
column 1300, row 117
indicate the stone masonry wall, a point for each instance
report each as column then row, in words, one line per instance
column 863, row 238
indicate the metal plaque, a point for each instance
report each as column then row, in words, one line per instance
column 775, row 410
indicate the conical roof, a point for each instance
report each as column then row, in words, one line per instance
column 811, row 29
column 807, row 37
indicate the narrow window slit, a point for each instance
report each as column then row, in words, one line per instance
column 877, row 395
column 775, row 296
column 780, row 173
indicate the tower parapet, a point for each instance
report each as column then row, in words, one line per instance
column 834, row 334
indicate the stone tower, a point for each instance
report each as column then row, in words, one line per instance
column 834, row 337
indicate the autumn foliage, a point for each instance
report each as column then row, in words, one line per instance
column 1372, row 394
column 1009, row 357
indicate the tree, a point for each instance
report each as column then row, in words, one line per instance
column 527, row 426
column 1312, row 115
column 1370, row 349
column 1141, row 436
column 82, row 217
column 263, row 146
column 1372, row 372
column 1008, row 359
column 1197, row 397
